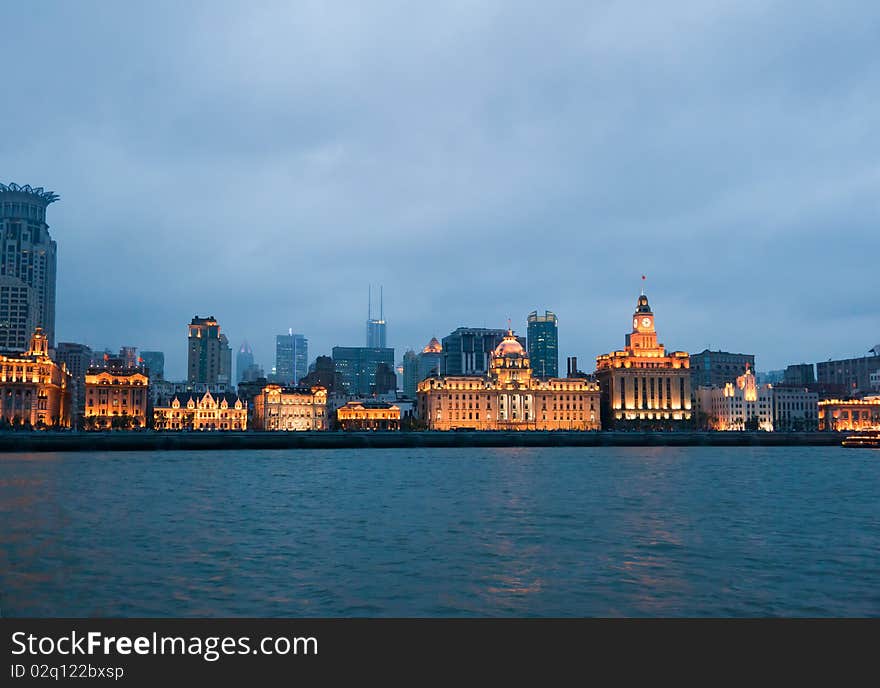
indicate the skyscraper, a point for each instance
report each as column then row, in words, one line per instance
column 209, row 356
column 543, row 341
column 291, row 358
column 27, row 266
column 244, row 359
column 376, row 333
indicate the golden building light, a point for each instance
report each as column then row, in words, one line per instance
column 34, row 389
column 644, row 382
column 508, row 397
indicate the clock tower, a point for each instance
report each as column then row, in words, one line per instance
column 643, row 335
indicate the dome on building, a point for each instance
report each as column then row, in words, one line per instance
column 433, row 347
column 509, row 346
column 643, row 306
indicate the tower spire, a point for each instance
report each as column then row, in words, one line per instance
column 369, row 302
column 382, row 303
column 643, row 285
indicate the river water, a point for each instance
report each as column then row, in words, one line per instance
column 695, row 531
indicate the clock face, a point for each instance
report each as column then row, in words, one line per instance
column 646, row 322
column 635, row 323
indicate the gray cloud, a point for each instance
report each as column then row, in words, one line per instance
column 263, row 164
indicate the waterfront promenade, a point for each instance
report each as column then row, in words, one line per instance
column 19, row 441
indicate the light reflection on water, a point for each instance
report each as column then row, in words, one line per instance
column 410, row 532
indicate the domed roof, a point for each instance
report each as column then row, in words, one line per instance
column 434, row 347
column 643, row 306
column 509, row 346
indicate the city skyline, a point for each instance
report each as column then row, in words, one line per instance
column 743, row 185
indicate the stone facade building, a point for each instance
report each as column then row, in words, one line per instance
column 508, row 397
column 290, row 408
column 34, row 389
column 644, row 384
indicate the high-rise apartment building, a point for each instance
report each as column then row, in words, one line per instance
column 291, row 358
column 543, row 341
column 27, row 266
column 209, row 358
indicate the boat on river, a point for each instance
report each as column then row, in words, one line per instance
column 867, row 440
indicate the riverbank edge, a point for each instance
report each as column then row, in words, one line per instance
column 170, row 441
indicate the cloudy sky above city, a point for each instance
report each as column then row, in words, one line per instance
column 264, row 162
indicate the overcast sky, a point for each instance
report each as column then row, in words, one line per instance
column 264, row 162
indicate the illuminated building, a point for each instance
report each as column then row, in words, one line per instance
column 368, row 415
column 543, row 341
column 850, row 415
column 77, row 358
column 204, row 413
column 290, row 408
column 468, row 350
column 116, row 397
column 508, row 397
column 643, row 383
column 27, row 266
column 209, row 358
column 34, row 389
column 743, row 405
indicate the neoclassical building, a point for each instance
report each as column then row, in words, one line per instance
column 116, row 397
column 290, row 408
column 208, row 412
column 508, row 397
column 643, row 383
column 34, row 389
column 368, row 415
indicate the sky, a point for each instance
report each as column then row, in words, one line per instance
column 265, row 162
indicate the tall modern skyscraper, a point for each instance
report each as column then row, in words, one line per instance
column 154, row 361
column 543, row 341
column 27, row 266
column 209, row 356
column 376, row 333
column 244, row 359
column 291, row 358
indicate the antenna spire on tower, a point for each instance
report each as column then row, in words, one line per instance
column 369, row 302
column 643, row 285
column 382, row 303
